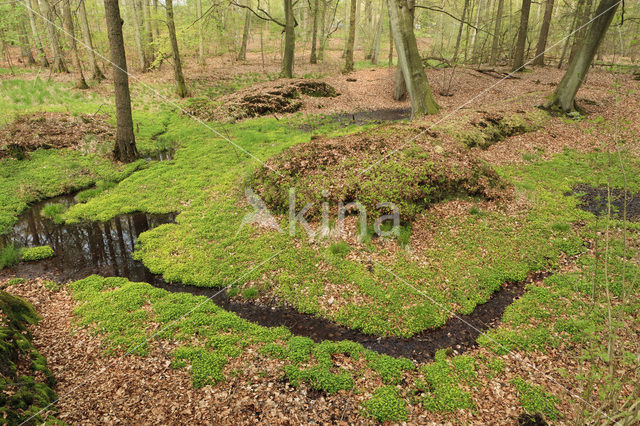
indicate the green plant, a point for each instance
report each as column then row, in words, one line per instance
column 9, row 256
column 386, row 405
column 442, row 381
column 51, row 286
column 54, row 212
column 535, row 400
column 250, row 293
column 14, row 281
column 37, row 253
column 340, row 248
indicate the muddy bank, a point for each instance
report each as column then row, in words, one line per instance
column 594, row 200
column 106, row 249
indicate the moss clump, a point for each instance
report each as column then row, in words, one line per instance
column 37, row 253
column 21, row 396
column 386, row 405
column 535, row 400
column 338, row 170
column 9, row 256
column 494, row 128
column 442, row 380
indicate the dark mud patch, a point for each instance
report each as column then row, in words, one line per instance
column 373, row 116
column 106, row 249
column 53, row 131
column 595, row 200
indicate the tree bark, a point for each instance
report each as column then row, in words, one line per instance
column 96, row 72
column 563, row 98
column 497, row 30
column 68, row 25
column 544, row 33
column 25, row 47
column 375, row 54
column 181, row 87
column 518, row 54
column 125, row 146
column 390, row 60
column 323, row 29
column 584, row 15
column 200, row 32
column 422, row 101
column 36, row 34
column 58, row 62
column 135, row 22
column 149, row 49
column 460, row 28
column 289, row 40
column 313, row 58
column 348, row 63
column 242, row 54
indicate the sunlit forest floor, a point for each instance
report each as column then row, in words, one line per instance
column 495, row 195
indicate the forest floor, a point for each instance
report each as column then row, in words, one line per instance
column 504, row 190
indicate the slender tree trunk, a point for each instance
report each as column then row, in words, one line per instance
column 36, row 34
column 544, row 33
column 497, row 30
column 25, row 47
column 518, row 54
column 200, row 32
column 375, row 55
column 474, row 37
column 242, row 54
column 149, row 48
column 422, row 101
column 564, row 96
column 156, row 29
column 135, row 23
column 125, row 146
column 58, row 62
column 390, row 64
column 323, row 30
column 181, row 87
column 313, row 58
column 348, row 63
column 289, row 40
column 68, row 24
column 568, row 39
column 96, row 72
column 460, row 28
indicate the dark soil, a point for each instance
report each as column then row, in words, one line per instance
column 594, row 200
column 52, row 130
column 373, row 116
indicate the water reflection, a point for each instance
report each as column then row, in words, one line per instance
column 91, row 247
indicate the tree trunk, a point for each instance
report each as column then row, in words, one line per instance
column 200, row 32
column 375, row 54
column 156, row 29
column 390, row 64
column 564, row 96
column 422, row 101
column 496, row 34
column 348, row 63
column 181, row 87
column 474, row 37
column 36, row 34
column 544, row 33
column 323, row 30
column 149, row 49
column 584, row 15
column 460, row 28
column 242, row 54
column 574, row 21
column 58, row 62
column 68, row 25
column 125, row 146
column 313, row 58
column 399, row 86
column 518, row 54
column 289, row 40
column 96, row 72
column 135, row 23
column 25, row 47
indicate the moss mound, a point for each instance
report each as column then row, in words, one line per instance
column 356, row 168
column 23, row 391
column 493, row 127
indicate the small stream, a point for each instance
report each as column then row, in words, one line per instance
column 105, row 248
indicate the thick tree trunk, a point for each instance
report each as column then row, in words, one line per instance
column 544, row 33
column 313, row 58
column 125, row 146
column 289, row 40
column 584, row 15
column 25, row 47
column 35, row 33
column 564, row 97
column 422, row 101
column 181, row 87
column 96, row 72
column 518, row 54
column 68, row 25
column 348, row 63
column 58, row 63
column 399, row 86
column 200, row 32
column 242, row 53
column 460, row 28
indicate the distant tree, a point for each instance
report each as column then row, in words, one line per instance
column 200, row 32
column 242, row 53
column 125, row 146
column 181, row 87
column 518, row 53
column 67, row 19
column 409, row 60
column 25, row 46
column 58, row 63
column 563, row 98
column 544, row 33
column 313, row 57
column 31, row 11
column 348, row 63
column 96, row 72
column 497, row 29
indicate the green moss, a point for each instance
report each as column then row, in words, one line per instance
column 386, row 405
column 54, row 212
column 340, row 248
column 442, row 383
column 37, row 253
column 9, row 256
column 535, row 400
column 319, row 378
